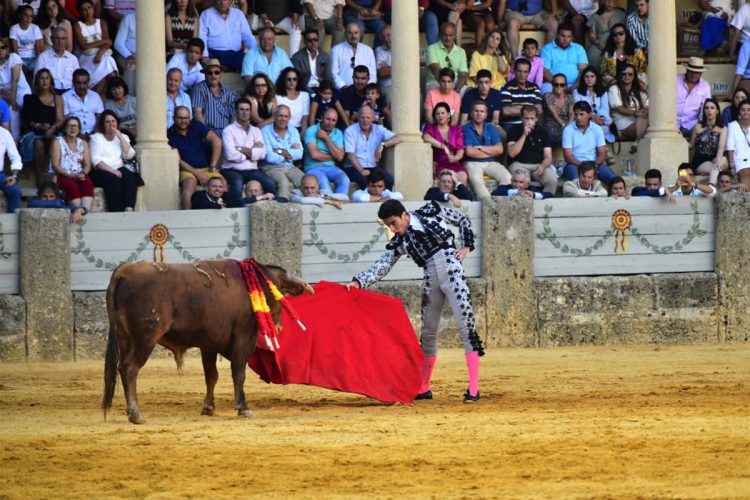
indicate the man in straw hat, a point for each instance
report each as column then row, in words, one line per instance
column 213, row 102
column 692, row 90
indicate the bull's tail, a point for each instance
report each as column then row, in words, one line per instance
column 110, row 369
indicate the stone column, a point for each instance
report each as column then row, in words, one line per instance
column 663, row 146
column 276, row 235
column 159, row 163
column 44, row 276
column 411, row 161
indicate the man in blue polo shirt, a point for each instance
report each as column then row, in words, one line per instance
column 563, row 55
column 189, row 138
column 583, row 142
column 483, row 146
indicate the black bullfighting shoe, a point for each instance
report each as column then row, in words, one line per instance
column 424, row 395
column 468, row 398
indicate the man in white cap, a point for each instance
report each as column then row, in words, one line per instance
column 692, row 90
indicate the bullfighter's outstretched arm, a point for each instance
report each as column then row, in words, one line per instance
column 378, row 270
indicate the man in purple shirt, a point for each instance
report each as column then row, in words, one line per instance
column 692, row 90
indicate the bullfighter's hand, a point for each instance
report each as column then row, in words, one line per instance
column 353, row 285
column 462, row 252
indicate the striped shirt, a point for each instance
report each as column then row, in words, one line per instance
column 514, row 95
column 218, row 111
column 638, row 29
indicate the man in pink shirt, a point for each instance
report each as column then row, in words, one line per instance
column 692, row 90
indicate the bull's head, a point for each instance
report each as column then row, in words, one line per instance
column 287, row 283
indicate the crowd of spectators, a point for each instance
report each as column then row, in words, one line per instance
column 494, row 108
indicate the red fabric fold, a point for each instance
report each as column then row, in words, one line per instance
column 356, row 341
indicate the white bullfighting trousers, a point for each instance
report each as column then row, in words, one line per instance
column 444, row 278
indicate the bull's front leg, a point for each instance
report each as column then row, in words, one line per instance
column 239, row 363
column 211, row 375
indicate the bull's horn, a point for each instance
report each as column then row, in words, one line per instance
column 300, row 282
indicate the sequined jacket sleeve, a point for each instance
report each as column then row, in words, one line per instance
column 458, row 218
column 379, row 269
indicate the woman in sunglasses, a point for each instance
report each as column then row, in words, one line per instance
column 621, row 48
column 600, row 26
column 558, row 108
column 628, row 104
column 289, row 92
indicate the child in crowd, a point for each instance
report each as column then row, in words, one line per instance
column 48, row 196
column 376, row 191
column 617, row 188
column 531, row 53
column 325, row 98
column 26, row 38
column 376, row 101
column 727, row 184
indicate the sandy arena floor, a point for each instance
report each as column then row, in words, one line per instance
column 608, row 422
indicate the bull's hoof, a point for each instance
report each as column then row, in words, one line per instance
column 245, row 413
column 208, row 410
column 135, row 417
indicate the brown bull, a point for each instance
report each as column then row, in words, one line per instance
column 178, row 306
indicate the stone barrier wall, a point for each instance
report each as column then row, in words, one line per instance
column 513, row 308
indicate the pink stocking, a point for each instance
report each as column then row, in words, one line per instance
column 472, row 363
column 428, row 364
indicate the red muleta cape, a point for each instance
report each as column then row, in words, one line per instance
column 356, row 341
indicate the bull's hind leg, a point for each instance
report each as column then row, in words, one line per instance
column 239, row 362
column 130, row 364
column 211, row 375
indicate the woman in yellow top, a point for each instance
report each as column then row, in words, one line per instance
column 490, row 56
column 620, row 48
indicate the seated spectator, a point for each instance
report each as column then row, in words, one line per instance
column 125, row 47
column 558, row 108
column 122, row 103
column 592, row 90
column 444, row 93
column 628, row 105
column 189, row 63
column 738, row 148
column 447, row 142
column 686, row 185
column 490, row 56
column 365, row 14
column 109, row 150
column 325, row 99
column 449, row 11
column 266, row 58
column 80, row 102
column 58, row 61
column 477, row 17
column 731, row 112
column 519, row 186
column 726, row 183
column 530, row 150
column 449, row 189
column 283, row 148
column 617, row 188
column 709, row 140
column 70, row 162
column 43, row 116
column 585, row 185
column 26, row 38
column 325, row 16
column 309, row 194
column 212, row 198
column 9, row 183
column 518, row 93
column 181, row 26
column 312, row 62
column 13, row 85
column 289, row 93
column 213, row 102
column 582, row 142
column 531, row 54
column 384, row 61
column 347, row 56
column 600, row 25
column 620, row 48
column 51, row 16
column 92, row 38
column 637, row 24
column 378, row 103
column 354, row 96
column 446, row 54
column 485, row 92
column 225, row 32
column 284, row 15
column 364, row 144
column 261, row 93
column 578, row 12
column 739, row 29
column 243, row 148
column 653, row 186
column 376, row 190
column 324, row 145
column 175, row 95
column 190, row 138
column 428, row 21
column 254, row 193
column 516, row 13
column 563, row 55
column 692, row 91
column 483, row 147
column 48, row 196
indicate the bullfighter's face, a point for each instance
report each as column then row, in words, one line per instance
column 398, row 223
